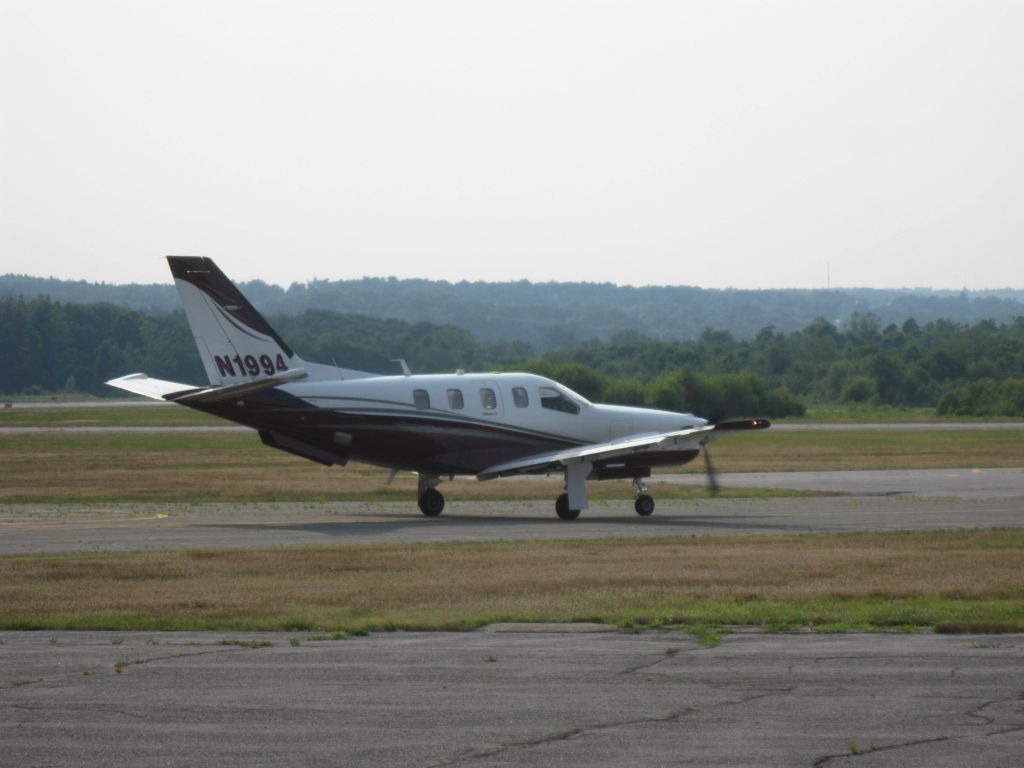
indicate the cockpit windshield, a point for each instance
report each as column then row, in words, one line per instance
column 556, row 400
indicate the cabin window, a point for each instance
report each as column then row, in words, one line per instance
column 421, row 398
column 520, row 398
column 455, row 401
column 554, row 400
column 488, row 399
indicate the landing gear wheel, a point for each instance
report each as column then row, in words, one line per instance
column 431, row 502
column 644, row 505
column 562, row 508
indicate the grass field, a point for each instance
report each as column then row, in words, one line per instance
column 905, row 581
column 108, row 468
column 146, row 415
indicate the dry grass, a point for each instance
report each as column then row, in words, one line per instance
column 171, row 467
column 145, row 415
column 906, row 579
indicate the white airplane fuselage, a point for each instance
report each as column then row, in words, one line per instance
column 445, row 424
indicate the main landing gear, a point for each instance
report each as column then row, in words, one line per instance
column 570, row 503
column 562, row 508
column 567, row 507
column 431, row 500
column 644, row 504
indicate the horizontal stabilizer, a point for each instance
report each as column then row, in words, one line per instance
column 214, row 394
column 156, row 389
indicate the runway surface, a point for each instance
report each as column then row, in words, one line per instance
column 873, row 501
column 492, row 698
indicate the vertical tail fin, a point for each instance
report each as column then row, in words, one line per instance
column 235, row 342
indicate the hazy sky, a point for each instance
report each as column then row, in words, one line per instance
column 717, row 143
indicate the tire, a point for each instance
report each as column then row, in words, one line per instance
column 431, row 503
column 644, row 505
column 562, row 508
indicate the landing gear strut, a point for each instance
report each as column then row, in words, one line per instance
column 644, row 504
column 431, row 500
column 574, row 499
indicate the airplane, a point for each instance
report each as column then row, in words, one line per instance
column 438, row 426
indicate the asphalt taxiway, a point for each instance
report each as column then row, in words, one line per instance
column 868, row 501
column 525, row 698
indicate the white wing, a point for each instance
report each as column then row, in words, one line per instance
column 683, row 439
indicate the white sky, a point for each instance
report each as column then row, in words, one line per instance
column 718, row 143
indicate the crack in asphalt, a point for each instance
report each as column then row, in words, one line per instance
column 208, row 652
column 573, row 733
column 976, row 713
column 642, row 669
column 1003, row 731
column 124, row 664
column 824, row 759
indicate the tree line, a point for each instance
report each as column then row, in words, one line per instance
column 555, row 315
column 968, row 369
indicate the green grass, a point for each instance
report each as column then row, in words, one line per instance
column 952, row 581
column 246, row 643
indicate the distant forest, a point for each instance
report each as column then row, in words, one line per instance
column 550, row 316
column 958, row 367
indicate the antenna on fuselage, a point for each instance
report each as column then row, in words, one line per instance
column 405, row 365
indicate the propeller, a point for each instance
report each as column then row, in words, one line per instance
column 709, row 469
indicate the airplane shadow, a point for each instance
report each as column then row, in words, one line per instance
column 465, row 525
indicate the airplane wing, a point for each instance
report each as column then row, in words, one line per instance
column 158, row 389
column 682, row 439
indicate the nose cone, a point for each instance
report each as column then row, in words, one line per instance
column 640, row 421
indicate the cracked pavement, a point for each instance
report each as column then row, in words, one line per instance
column 494, row 698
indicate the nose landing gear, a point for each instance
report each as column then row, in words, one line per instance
column 644, row 504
